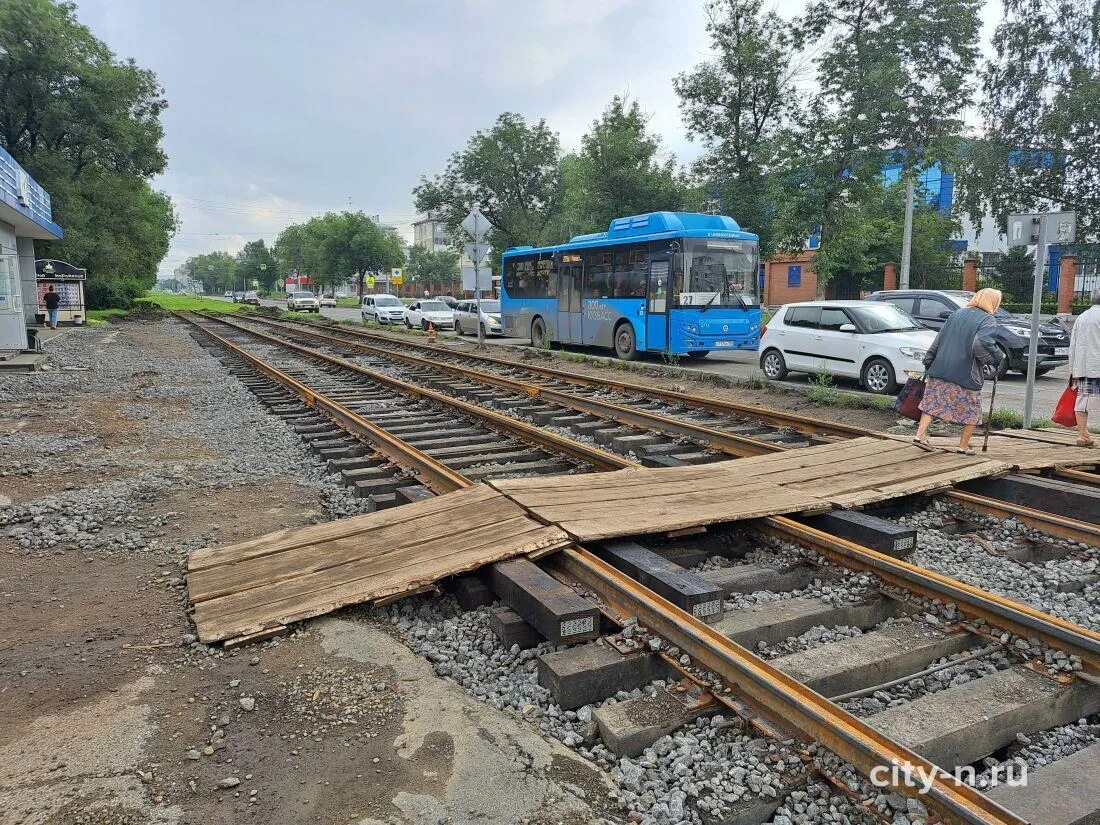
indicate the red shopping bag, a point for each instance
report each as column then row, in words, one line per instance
column 1063, row 413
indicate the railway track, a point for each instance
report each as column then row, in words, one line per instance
column 348, row 393
column 650, row 423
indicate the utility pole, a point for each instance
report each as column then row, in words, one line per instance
column 907, row 236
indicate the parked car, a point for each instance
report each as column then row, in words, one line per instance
column 382, row 309
column 467, row 320
column 228, row 293
column 429, row 311
column 238, row 297
column 931, row 307
column 328, row 300
column 449, row 300
column 252, row 298
column 873, row 342
column 302, row 302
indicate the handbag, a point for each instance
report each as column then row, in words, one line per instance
column 1063, row 412
column 907, row 404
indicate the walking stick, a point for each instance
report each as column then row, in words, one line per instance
column 989, row 420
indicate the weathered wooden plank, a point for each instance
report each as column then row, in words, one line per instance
column 288, row 539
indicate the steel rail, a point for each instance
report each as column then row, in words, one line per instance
column 1049, row 523
column 998, row 611
column 730, row 443
column 806, row 424
column 540, row 437
column 434, row 475
column 1076, row 475
column 776, row 695
column 772, row 693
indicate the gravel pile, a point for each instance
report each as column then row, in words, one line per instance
column 698, row 772
column 1067, row 587
column 1038, row 749
column 193, row 399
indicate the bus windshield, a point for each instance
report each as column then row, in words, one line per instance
column 719, row 273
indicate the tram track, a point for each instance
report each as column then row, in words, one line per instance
column 721, row 426
column 768, row 691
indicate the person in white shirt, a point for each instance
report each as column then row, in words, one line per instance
column 1084, row 363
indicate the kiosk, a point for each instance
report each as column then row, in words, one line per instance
column 68, row 282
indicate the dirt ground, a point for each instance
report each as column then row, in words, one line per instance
column 112, row 713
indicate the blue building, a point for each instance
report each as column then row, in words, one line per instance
column 26, row 215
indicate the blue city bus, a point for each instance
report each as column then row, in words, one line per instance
column 670, row 282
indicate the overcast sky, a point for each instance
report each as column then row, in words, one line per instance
column 281, row 110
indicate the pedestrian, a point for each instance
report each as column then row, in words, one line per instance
column 53, row 301
column 1084, row 368
column 953, row 368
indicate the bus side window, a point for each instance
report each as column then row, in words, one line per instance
column 597, row 275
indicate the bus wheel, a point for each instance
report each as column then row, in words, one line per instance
column 538, row 333
column 625, row 343
column 697, row 354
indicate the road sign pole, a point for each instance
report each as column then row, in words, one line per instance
column 1036, row 305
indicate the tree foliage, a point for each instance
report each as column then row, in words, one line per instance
column 738, row 104
column 87, row 127
column 513, row 170
column 620, row 171
column 433, row 267
column 256, row 263
column 893, row 81
column 1041, row 110
column 216, row 270
column 335, row 247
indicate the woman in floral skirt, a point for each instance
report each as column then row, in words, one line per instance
column 953, row 368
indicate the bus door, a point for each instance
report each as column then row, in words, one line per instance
column 568, row 326
column 658, row 299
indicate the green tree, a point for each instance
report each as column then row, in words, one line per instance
column 893, row 82
column 256, row 263
column 336, row 246
column 87, row 127
column 512, row 170
column 289, row 250
column 433, row 267
column 216, row 270
column 738, row 104
column 620, row 171
column 1016, row 274
column 1041, row 111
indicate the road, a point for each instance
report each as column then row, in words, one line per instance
column 1010, row 389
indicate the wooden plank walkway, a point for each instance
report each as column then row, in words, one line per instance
column 247, row 588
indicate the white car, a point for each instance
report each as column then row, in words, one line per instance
column 382, row 309
column 328, row 301
column 302, row 302
column 873, row 342
column 467, row 320
column 429, row 311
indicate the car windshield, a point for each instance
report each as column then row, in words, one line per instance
column 883, row 318
column 490, row 306
column 434, row 306
column 387, row 301
column 719, row 272
column 303, row 294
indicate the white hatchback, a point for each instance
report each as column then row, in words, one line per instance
column 875, row 343
column 429, row 311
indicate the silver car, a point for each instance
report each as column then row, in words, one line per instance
column 382, row 309
column 466, row 317
column 302, row 302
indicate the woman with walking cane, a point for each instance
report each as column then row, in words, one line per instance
column 953, row 368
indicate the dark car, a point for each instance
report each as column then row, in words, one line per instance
column 931, row 307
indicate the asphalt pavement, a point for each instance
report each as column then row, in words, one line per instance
column 1010, row 389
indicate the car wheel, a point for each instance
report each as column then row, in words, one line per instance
column 878, row 377
column 989, row 372
column 484, row 331
column 424, row 325
column 458, row 329
column 773, row 365
column 625, row 343
column 538, row 333
column 407, row 324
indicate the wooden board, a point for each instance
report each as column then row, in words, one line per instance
column 292, row 575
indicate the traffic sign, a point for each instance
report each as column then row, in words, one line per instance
column 476, row 279
column 476, row 224
column 477, row 251
column 396, row 275
column 370, row 280
column 1028, row 229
